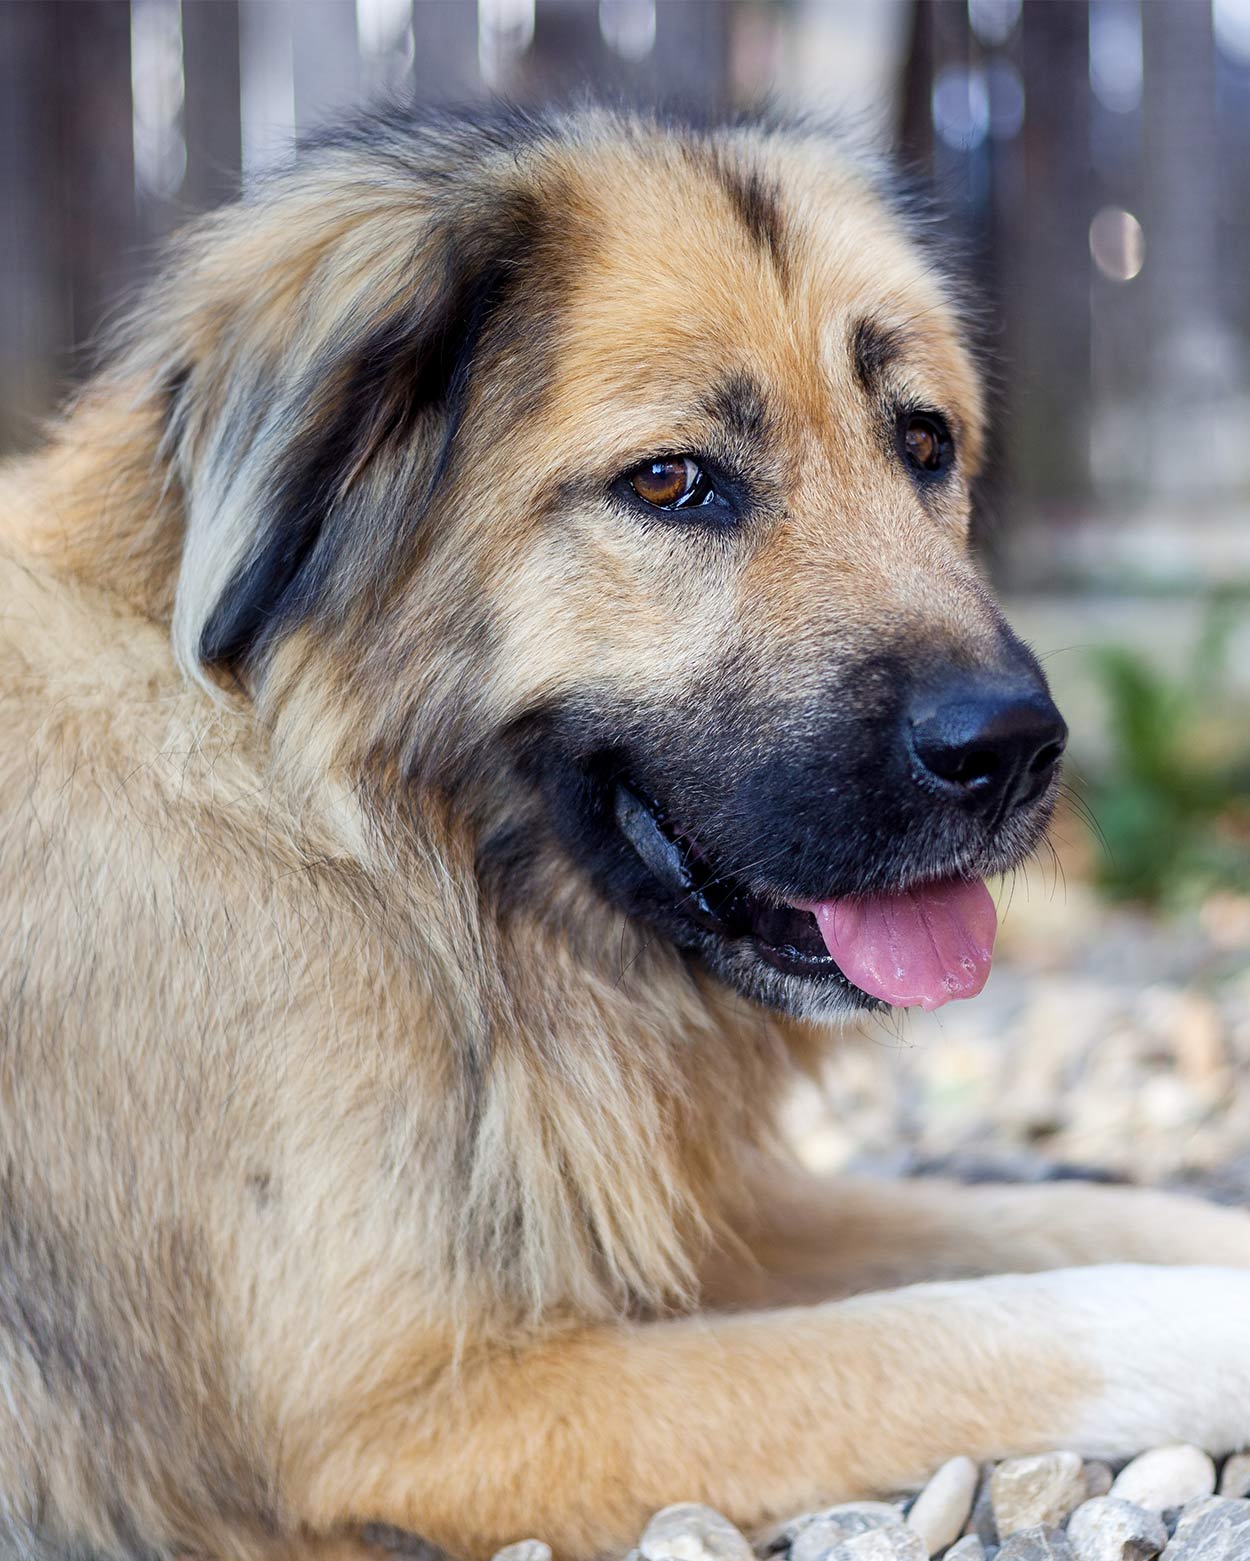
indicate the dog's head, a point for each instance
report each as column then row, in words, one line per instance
column 614, row 478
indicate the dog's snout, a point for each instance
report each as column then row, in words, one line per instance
column 993, row 747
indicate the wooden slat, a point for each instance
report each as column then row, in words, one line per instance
column 1182, row 276
column 444, row 54
column 1049, row 290
column 691, row 58
column 35, row 321
column 325, row 61
column 210, row 50
column 266, row 83
column 99, row 240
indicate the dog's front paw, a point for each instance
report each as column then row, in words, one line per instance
column 1171, row 1352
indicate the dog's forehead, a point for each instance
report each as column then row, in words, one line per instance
column 768, row 256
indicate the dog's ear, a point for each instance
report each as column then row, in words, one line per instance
column 306, row 434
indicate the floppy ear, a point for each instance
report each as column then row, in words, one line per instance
column 281, row 421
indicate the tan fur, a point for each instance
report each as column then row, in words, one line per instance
column 334, row 1195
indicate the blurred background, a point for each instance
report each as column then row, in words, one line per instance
column 1093, row 161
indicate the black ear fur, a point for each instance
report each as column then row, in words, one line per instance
column 360, row 396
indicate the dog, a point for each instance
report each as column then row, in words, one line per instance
column 492, row 675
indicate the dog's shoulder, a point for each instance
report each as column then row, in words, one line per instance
column 109, row 757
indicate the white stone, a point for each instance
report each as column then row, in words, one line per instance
column 981, row 1523
column 1109, row 1529
column 890, row 1542
column 689, row 1532
column 524, row 1550
column 1036, row 1492
column 1213, row 1529
column 940, row 1511
column 969, row 1548
column 1036, row 1543
column 1166, row 1477
column 1235, row 1477
column 1098, row 1478
column 828, row 1529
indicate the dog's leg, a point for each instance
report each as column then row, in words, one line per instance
column 810, row 1238
column 579, row 1438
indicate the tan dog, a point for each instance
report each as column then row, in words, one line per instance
column 489, row 674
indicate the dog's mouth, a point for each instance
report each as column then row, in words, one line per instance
column 922, row 946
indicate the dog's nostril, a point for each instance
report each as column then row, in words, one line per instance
column 977, row 767
column 990, row 747
column 1046, row 758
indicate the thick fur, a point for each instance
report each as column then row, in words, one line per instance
column 367, row 1158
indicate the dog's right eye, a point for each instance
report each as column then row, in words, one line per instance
column 671, row 482
column 926, row 444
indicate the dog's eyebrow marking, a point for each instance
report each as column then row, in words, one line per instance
column 874, row 347
column 741, row 407
column 757, row 204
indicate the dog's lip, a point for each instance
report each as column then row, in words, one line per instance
column 778, row 927
column 786, row 936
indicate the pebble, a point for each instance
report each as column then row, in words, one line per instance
column 689, row 1532
column 890, row 1542
column 1217, row 1529
column 940, row 1511
column 524, row 1550
column 1166, row 1477
column 1051, row 1507
column 1027, row 1493
column 1235, row 1477
column 1098, row 1478
column 1197, row 1036
column 1040, row 1542
column 981, row 1523
column 827, row 1530
column 1110, row 1529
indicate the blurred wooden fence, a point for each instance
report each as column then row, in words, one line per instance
column 1079, row 143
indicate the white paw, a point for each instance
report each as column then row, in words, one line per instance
column 1168, row 1352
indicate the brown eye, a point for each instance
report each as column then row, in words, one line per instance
column 926, row 442
column 669, row 482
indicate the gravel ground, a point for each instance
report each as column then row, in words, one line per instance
column 1105, row 1040
column 1172, row 1502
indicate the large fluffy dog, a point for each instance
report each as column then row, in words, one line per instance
column 488, row 676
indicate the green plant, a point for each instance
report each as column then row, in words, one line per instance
column 1172, row 800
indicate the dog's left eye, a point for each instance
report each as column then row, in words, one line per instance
column 671, row 482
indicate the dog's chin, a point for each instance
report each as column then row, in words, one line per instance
column 750, row 938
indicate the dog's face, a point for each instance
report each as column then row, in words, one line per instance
column 641, row 531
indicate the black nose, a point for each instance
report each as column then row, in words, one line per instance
column 993, row 747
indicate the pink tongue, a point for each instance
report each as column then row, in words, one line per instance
column 928, row 946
